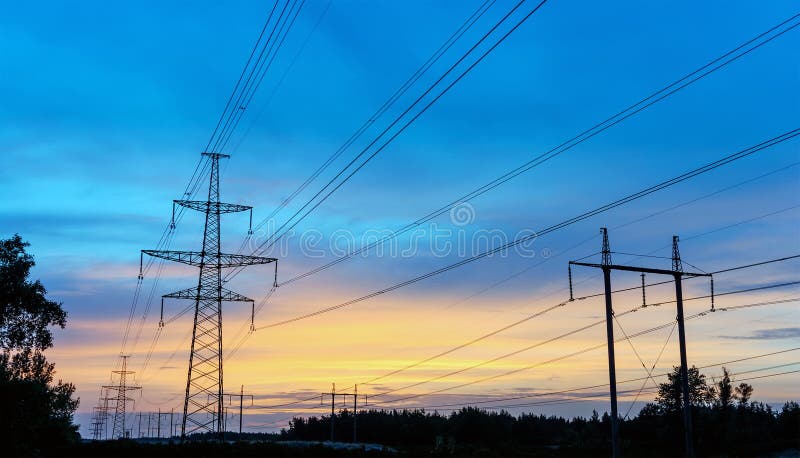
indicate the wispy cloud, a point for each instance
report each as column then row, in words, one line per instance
column 769, row 334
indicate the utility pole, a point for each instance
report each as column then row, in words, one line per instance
column 121, row 398
column 677, row 273
column 355, row 412
column 612, row 368
column 203, row 404
column 158, row 421
column 241, row 397
column 139, row 429
column 333, row 413
column 677, row 269
column 333, row 395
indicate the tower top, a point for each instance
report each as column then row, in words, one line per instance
column 677, row 265
column 216, row 155
column 606, row 250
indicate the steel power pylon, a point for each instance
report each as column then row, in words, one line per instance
column 677, row 273
column 98, row 421
column 121, row 399
column 203, row 405
column 100, row 416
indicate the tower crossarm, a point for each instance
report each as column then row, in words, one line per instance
column 640, row 269
column 197, row 258
column 192, row 293
column 116, row 387
column 215, row 207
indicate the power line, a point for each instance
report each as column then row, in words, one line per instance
column 747, row 290
column 271, row 240
column 239, row 106
column 283, row 77
column 519, row 322
column 652, row 368
column 633, row 310
column 205, row 377
column 747, row 266
column 679, row 81
column 557, row 338
column 505, row 355
column 539, row 314
column 245, row 90
column 570, row 355
column 191, row 189
column 163, row 243
column 171, row 356
column 241, row 342
column 603, row 385
column 565, row 400
column 399, row 93
column 768, row 375
column 727, row 188
column 289, row 404
column 714, row 365
column 586, row 350
column 635, row 221
column 702, row 234
column 629, row 198
column 613, row 120
column 638, row 220
column 241, row 76
column 604, row 396
column 635, row 352
column 536, row 315
column 458, row 406
column 466, row 25
column 283, row 33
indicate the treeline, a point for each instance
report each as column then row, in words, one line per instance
column 725, row 422
column 36, row 411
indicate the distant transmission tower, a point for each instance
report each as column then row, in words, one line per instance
column 203, row 405
column 121, row 399
column 100, row 416
column 97, row 425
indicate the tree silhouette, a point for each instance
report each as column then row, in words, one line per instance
column 35, row 413
column 670, row 393
column 743, row 393
column 724, row 390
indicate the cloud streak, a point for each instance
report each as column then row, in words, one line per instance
column 769, row 334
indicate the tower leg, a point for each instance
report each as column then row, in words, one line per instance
column 687, row 404
column 612, row 371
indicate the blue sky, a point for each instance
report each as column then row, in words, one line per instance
column 106, row 107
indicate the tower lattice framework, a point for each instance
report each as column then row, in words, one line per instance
column 100, row 415
column 203, row 405
column 120, row 399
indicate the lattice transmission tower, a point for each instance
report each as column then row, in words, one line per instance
column 203, row 405
column 120, row 399
column 100, row 416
